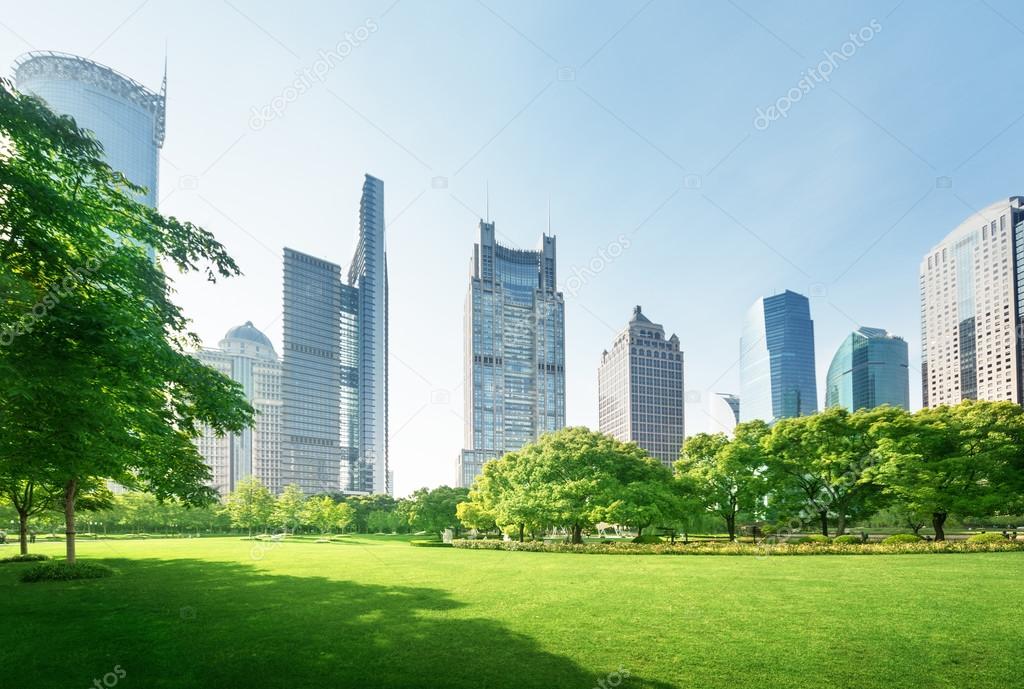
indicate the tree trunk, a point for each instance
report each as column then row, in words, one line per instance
column 824, row 522
column 730, row 525
column 69, row 519
column 23, row 531
column 938, row 519
column 577, row 534
column 840, row 524
column 522, row 527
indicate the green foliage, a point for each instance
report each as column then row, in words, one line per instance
column 435, row 510
column 648, row 539
column 27, row 557
column 901, row 538
column 250, row 505
column 61, row 570
column 97, row 379
column 847, row 539
column 814, row 538
column 988, row 537
column 287, row 512
column 323, row 513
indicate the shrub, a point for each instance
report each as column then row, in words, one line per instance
column 28, row 557
column 901, row 538
column 989, row 537
column 813, row 538
column 847, row 539
column 429, row 544
column 61, row 570
column 648, row 539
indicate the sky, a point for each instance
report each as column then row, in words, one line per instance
column 695, row 156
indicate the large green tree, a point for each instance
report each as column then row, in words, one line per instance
column 435, row 510
column 726, row 476
column 288, row 506
column 962, row 460
column 96, row 379
column 250, row 505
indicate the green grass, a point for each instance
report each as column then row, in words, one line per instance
column 374, row 612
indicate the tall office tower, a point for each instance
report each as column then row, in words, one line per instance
column 126, row 117
column 777, row 377
column 640, row 389
column 972, row 309
column 868, row 370
column 334, row 368
column 724, row 409
column 514, row 349
column 369, row 274
column 247, row 356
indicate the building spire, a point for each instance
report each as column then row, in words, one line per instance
column 487, row 199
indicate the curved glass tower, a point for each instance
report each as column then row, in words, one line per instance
column 868, row 370
column 777, row 378
column 126, row 117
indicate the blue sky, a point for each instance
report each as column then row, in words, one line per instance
column 635, row 119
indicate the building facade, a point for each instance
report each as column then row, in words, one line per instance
column 777, row 375
column 869, row 369
column 972, row 309
column 514, row 351
column 724, row 409
column 334, row 369
column 127, row 118
column 640, row 389
column 247, row 356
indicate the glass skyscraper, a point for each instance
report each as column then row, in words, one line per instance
column 127, row 118
column 972, row 309
column 724, row 410
column 514, row 349
column 777, row 376
column 334, row 368
column 640, row 389
column 868, row 370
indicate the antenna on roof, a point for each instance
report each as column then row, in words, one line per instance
column 549, row 213
column 163, row 86
column 487, row 199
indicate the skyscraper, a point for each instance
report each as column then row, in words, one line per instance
column 725, row 412
column 127, row 118
column 777, row 377
column 514, row 349
column 868, row 370
column 640, row 389
column 972, row 309
column 247, row 356
column 334, row 369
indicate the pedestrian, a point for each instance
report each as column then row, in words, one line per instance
column 32, row 536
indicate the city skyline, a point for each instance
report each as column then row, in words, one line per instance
column 659, row 196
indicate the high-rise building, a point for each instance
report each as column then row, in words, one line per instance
column 777, row 377
column 972, row 309
column 868, row 370
column 514, row 351
column 127, row 118
column 724, row 409
column 640, row 389
column 334, row 368
column 247, row 356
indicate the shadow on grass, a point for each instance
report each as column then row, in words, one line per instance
column 198, row 623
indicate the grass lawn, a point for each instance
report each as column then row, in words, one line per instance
column 375, row 612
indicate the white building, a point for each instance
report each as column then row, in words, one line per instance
column 971, row 309
column 640, row 389
column 724, row 410
column 247, row 356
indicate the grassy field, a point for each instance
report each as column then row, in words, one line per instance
column 375, row 612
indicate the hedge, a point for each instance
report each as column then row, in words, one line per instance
column 61, row 570
column 27, row 557
column 430, row 544
column 712, row 548
column 988, row 537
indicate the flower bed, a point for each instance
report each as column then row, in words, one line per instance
column 712, row 548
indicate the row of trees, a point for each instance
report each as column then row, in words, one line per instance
column 834, row 467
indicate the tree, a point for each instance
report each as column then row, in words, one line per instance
column 323, row 513
column 97, row 381
column 288, row 507
column 962, row 460
column 826, row 460
column 472, row 515
column 726, row 476
column 250, row 505
column 435, row 510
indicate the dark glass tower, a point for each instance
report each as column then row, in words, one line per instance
column 868, row 370
column 777, row 376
